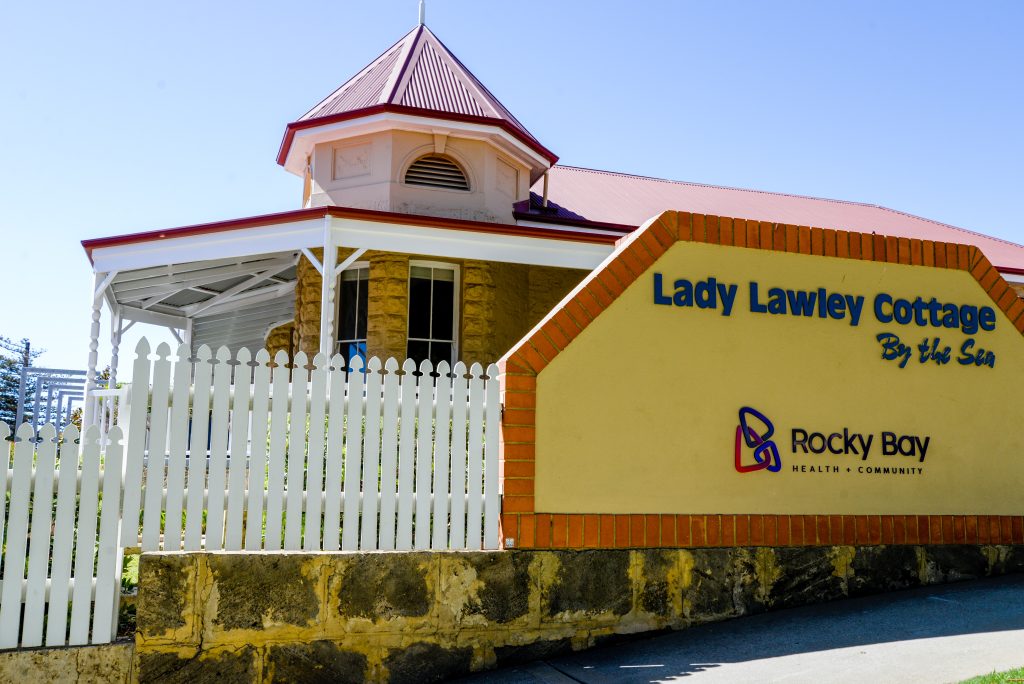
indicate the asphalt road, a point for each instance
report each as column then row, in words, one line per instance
column 936, row 634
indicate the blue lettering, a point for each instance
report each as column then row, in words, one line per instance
column 660, row 298
column 893, row 349
column 836, row 306
column 705, row 294
column 971, row 358
column 728, row 295
column 856, row 305
column 879, row 314
column 801, row 303
column 987, row 318
column 684, row 293
column 776, row 301
column 755, row 305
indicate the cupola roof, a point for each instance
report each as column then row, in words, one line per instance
column 417, row 76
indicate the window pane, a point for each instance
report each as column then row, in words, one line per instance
column 419, row 307
column 440, row 351
column 349, row 307
column 444, row 298
column 355, row 274
column 420, row 272
column 445, row 274
column 418, row 350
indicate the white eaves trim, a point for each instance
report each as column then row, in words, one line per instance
column 279, row 237
column 304, row 140
column 355, row 233
column 395, row 237
column 575, row 229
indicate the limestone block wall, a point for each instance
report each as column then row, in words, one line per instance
column 420, row 617
column 547, row 286
column 499, row 303
column 281, row 339
column 306, row 328
column 388, row 305
column 100, row 664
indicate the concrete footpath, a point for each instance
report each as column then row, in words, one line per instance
column 935, row 634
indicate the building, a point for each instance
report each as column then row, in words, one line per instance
column 432, row 224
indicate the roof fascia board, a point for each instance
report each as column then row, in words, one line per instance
column 299, row 130
column 414, row 239
column 279, row 237
column 579, row 226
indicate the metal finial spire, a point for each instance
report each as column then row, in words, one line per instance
column 423, row 12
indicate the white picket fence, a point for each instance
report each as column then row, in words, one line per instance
column 53, row 556
column 223, row 453
column 335, row 457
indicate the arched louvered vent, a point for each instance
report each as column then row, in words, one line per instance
column 435, row 171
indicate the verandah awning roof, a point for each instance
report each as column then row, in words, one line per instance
column 229, row 282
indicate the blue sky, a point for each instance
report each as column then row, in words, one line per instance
column 120, row 117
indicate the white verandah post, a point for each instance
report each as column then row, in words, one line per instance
column 329, row 279
column 89, row 412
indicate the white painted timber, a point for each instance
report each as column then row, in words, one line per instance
column 296, row 455
column 406, row 456
column 371, row 456
column 353, row 455
column 474, row 459
column 389, row 457
column 203, row 374
column 442, row 454
column 335, row 449
column 424, row 454
column 258, row 459
column 316, row 441
column 239, row 451
column 63, row 539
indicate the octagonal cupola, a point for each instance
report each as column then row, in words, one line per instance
column 415, row 132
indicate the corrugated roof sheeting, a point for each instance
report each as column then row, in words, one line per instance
column 242, row 327
column 366, row 89
column 432, row 85
column 619, row 198
column 422, row 73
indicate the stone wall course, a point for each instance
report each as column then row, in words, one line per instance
column 423, row 616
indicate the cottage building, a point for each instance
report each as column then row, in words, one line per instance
column 432, row 224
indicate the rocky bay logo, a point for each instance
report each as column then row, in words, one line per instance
column 766, row 452
column 826, row 451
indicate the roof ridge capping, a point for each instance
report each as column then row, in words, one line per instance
column 636, row 252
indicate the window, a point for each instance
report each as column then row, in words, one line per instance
column 435, row 171
column 432, row 312
column 352, row 312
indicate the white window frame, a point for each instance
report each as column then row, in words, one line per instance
column 456, row 296
column 337, row 298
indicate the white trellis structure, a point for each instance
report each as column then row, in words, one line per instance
column 229, row 452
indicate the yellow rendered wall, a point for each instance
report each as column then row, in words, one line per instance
column 639, row 413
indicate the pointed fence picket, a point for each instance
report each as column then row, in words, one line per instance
column 223, row 451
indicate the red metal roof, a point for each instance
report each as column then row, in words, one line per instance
column 578, row 196
column 418, row 75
